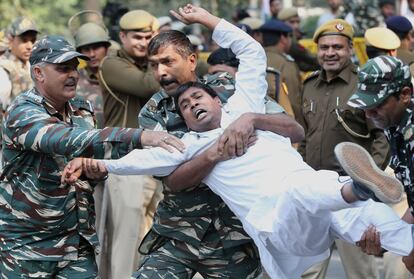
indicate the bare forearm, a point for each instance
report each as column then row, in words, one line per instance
column 192, row 172
column 279, row 123
column 408, row 217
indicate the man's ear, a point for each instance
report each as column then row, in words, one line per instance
column 193, row 59
column 38, row 73
column 406, row 95
column 217, row 99
column 122, row 36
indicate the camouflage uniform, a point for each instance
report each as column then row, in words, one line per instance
column 89, row 89
column 42, row 219
column 193, row 230
column 378, row 79
column 19, row 75
column 366, row 13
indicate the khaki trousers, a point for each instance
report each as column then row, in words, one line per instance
column 132, row 201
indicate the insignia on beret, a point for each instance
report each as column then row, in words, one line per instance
column 339, row 27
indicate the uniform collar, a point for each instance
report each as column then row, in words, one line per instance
column 123, row 54
column 406, row 120
column 273, row 49
column 70, row 108
column 345, row 74
column 88, row 75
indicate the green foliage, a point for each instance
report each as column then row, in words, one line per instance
column 52, row 15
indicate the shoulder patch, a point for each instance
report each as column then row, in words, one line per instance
column 152, row 106
column 81, row 103
column 30, row 95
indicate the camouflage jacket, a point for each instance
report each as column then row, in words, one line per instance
column 89, row 89
column 188, row 215
column 42, row 219
column 19, row 74
column 401, row 140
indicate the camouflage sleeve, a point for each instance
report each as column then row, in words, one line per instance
column 149, row 120
column 29, row 127
column 126, row 78
column 380, row 149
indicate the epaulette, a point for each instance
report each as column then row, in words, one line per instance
column 311, row 75
column 288, row 57
column 81, row 103
column 32, row 96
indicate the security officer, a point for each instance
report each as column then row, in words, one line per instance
column 14, row 64
column 92, row 40
column 381, row 41
column 127, row 84
column 303, row 58
column 48, row 227
column 277, row 41
column 328, row 120
column 385, row 94
column 403, row 28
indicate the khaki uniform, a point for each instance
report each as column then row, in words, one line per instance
column 407, row 57
column 126, row 87
column 290, row 75
column 19, row 74
column 322, row 100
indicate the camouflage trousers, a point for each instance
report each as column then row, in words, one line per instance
column 82, row 268
column 174, row 259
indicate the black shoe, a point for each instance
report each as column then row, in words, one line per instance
column 369, row 181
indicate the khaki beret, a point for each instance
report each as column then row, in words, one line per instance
column 252, row 22
column 287, row 13
column 334, row 27
column 383, row 38
column 138, row 20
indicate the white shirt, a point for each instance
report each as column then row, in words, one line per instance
column 245, row 181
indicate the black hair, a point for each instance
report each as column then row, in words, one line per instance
column 171, row 37
column 240, row 14
column 373, row 52
column 192, row 84
column 223, row 56
column 271, row 38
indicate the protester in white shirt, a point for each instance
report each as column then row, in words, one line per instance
column 292, row 212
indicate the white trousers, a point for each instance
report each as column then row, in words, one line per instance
column 295, row 228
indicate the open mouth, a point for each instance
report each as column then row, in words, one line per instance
column 200, row 113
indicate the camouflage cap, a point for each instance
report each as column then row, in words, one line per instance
column 379, row 78
column 139, row 20
column 334, row 27
column 55, row 50
column 21, row 25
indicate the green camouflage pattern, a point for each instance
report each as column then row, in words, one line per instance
column 55, row 50
column 172, row 261
column 187, row 216
column 401, row 139
column 19, row 75
column 379, row 78
column 84, row 267
column 42, row 219
column 21, row 25
column 89, row 89
column 366, row 13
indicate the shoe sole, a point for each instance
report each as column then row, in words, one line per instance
column 360, row 166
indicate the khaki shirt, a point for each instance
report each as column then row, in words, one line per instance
column 126, row 87
column 407, row 57
column 322, row 100
column 290, row 75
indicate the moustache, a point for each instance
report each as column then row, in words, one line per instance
column 71, row 82
column 165, row 82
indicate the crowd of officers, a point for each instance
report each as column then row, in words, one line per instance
column 142, row 223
